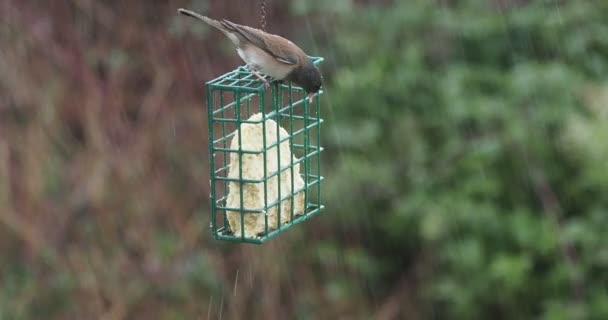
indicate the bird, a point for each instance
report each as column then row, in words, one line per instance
column 270, row 54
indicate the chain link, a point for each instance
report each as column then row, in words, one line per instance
column 263, row 15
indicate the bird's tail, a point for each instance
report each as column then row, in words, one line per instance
column 209, row 21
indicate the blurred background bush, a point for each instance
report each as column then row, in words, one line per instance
column 466, row 163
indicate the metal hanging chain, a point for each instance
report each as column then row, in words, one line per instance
column 263, row 15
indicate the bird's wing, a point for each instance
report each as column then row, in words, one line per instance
column 278, row 47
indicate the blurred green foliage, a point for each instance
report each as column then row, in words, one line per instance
column 470, row 138
column 465, row 163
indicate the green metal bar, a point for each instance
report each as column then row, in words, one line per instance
column 311, row 183
column 264, row 147
column 240, row 73
column 231, row 88
column 237, row 82
column 275, row 102
column 282, row 111
column 315, row 209
column 223, row 115
column 306, row 159
column 244, row 151
column 296, row 117
column 210, row 104
column 314, row 180
column 303, row 130
column 248, row 108
column 242, row 121
column 241, row 83
column 289, row 166
column 275, row 173
column 225, row 138
column 230, row 105
column 291, row 135
column 301, row 146
column 238, row 116
column 226, row 154
column 224, row 235
column 218, row 171
column 318, row 101
column 243, row 210
column 221, row 78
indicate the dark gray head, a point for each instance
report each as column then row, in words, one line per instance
column 308, row 77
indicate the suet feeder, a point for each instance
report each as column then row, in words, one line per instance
column 265, row 156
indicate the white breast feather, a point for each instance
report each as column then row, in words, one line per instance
column 264, row 62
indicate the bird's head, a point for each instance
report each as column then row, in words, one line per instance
column 308, row 76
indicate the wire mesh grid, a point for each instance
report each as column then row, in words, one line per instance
column 265, row 166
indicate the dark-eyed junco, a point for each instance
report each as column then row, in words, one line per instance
column 271, row 54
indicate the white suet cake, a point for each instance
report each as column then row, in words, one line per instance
column 253, row 168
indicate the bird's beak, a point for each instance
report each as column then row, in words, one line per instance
column 310, row 96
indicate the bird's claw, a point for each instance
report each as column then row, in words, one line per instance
column 266, row 84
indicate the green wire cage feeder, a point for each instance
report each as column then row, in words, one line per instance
column 265, row 156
